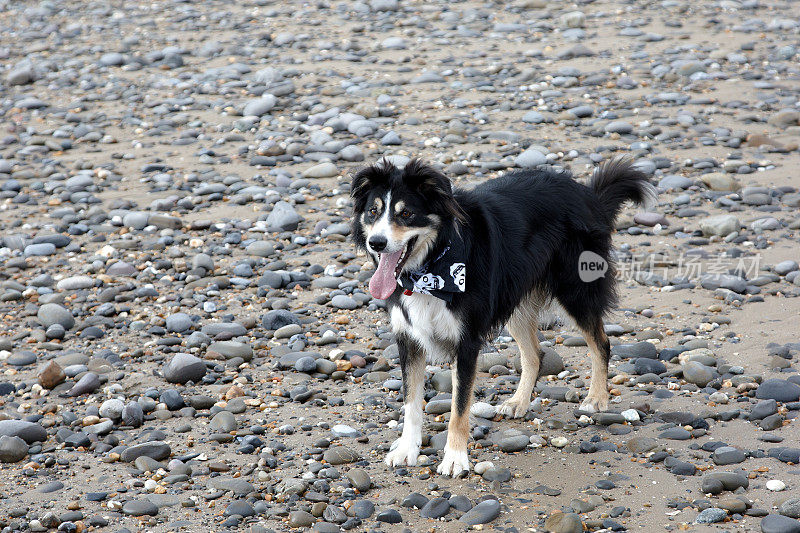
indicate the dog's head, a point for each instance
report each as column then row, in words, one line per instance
column 397, row 215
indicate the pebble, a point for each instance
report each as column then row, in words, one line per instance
column 132, row 415
column 156, row 450
column 697, row 373
column 720, row 225
column 360, row 479
column 717, row 482
column 300, row 519
column 711, row 515
column 140, row 508
column 341, row 301
column 483, row 410
column 87, row 384
column 775, row 523
column 179, row 323
column 184, row 367
column 779, row 390
column 111, row 409
column 30, row 432
column 775, row 485
column 51, row 313
column 339, row 455
column 323, row 170
column 435, row 508
column 482, row 513
column 728, row 455
column 51, row 375
column 514, row 443
column 530, row 158
column 12, row 449
column 389, row 516
column 790, row 507
column 564, row 523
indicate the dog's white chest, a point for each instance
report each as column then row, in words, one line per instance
column 428, row 321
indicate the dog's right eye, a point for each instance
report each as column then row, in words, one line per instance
column 373, row 212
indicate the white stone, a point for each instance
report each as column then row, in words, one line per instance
column 112, row 409
column 775, row 485
column 75, row 283
column 631, row 415
column 483, row 466
column 537, row 441
column 483, row 410
column 719, row 397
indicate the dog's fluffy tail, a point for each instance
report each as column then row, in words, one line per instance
column 618, row 181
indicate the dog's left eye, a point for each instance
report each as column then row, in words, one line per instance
column 406, row 214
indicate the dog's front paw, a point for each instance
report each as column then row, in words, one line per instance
column 594, row 404
column 455, row 463
column 512, row 408
column 402, row 452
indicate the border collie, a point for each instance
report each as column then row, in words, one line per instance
column 455, row 266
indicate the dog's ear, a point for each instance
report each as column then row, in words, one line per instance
column 368, row 177
column 434, row 185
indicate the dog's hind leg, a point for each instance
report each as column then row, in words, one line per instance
column 524, row 328
column 405, row 450
column 596, row 338
column 456, row 458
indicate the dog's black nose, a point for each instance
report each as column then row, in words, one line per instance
column 377, row 242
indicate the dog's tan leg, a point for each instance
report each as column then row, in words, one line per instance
column 523, row 326
column 456, row 458
column 597, row 399
column 525, row 331
column 405, row 450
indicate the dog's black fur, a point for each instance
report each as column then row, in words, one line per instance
column 524, row 233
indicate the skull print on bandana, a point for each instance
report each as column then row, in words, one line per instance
column 441, row 277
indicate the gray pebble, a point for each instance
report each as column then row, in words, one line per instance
column 184, row 367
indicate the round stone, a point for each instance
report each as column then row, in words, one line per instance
column 483, row 513
column 530, row 158
column 435, row 508
column 140, row 508
column 339, row 455
column 30, row 432
column 711, row 515
column 112, row 409
column 498, row 473
column 563, row 523
column 132, row 415
column 12, row 449
column 389, row 516
column 776, row 485
column 75, row 283
column 779, row 390
column 482, row 410
column 360, row 479
column 514, row 443
column 322, row 170
column 342, row 301
column 775, row 523
column 184, row 367
column 260, row 106
column 179, row 323
column 50, row 314
column 306, row 364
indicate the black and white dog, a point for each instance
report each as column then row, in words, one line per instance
column 454, row 266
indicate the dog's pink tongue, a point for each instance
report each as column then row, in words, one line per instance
column 383, row 282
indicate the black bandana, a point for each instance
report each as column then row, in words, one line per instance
column 442, row 276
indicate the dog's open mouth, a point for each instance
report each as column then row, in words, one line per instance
column 384, row 280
